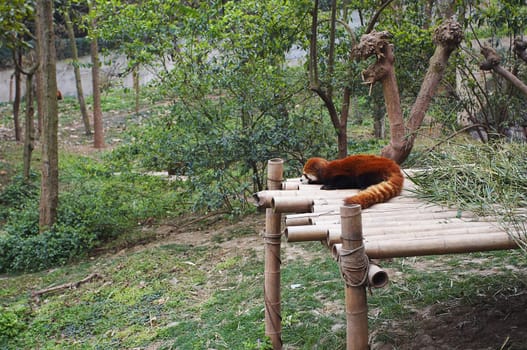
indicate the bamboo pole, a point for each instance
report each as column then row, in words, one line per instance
column 371, row 221
column 451, row 244
column 306, row 233
column 272, row 239
column 354, row 267
column 413, row 232
column 290, row 186
column 298, row 221
column 291, row 205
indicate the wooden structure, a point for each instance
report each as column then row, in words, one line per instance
column 401, row 227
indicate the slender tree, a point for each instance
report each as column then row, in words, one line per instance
column 17, row 59
column 29, row 131
column 98, row 131
column 76, row 69
column 47, row 55
column 326, row 91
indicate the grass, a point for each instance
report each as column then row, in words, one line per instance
column 181, row 296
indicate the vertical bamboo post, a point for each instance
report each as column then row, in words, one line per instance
column 272, row 237
column 354, row 269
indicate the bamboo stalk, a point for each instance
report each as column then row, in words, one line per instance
column 397, row 248
column 272, row 240
column 290, row 186
column 310, row 216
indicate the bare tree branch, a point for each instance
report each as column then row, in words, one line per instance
column 492, row 62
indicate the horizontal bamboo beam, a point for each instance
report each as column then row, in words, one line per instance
column 439, row 218
column 396, row 248
column 291, row 205
column 306, row 233
column 430, row 229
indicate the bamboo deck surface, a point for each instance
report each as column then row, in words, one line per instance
column 404, row 226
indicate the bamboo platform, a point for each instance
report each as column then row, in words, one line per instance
column 402, row 227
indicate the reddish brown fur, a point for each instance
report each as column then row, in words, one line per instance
column 380, row 178
column 59, row 95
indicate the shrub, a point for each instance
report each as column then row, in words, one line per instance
column 16, row 194
column 95, row 206
column 56, row 247
column 11, row 323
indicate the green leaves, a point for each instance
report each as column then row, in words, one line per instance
column 15, row 16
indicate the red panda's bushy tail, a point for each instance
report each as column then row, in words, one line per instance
column 378, row 193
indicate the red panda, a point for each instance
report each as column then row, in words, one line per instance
column 380, row 178
column 59, row 95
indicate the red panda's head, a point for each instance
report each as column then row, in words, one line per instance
column 313, row 171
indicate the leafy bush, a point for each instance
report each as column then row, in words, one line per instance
column 56, row 247
column 95, row 206
column 16, row 194
column 11, row 323
column 224, row 165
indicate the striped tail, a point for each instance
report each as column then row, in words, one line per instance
column 378, row 193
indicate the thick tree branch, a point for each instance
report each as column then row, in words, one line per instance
column 383, row 71
column 519, row 48
column 492, row 62
column 447, row 38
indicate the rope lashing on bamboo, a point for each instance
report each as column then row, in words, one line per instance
column 273, row 239
column 352, row 264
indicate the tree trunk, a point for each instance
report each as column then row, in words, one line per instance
column 379, row 129
column 447, row 38
column 137, row 87
column 39, row 88
column 29, row 135
column 340, row 124
column 98, row 131
column 76, row 70
column 17, row 58
column 47, row 56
